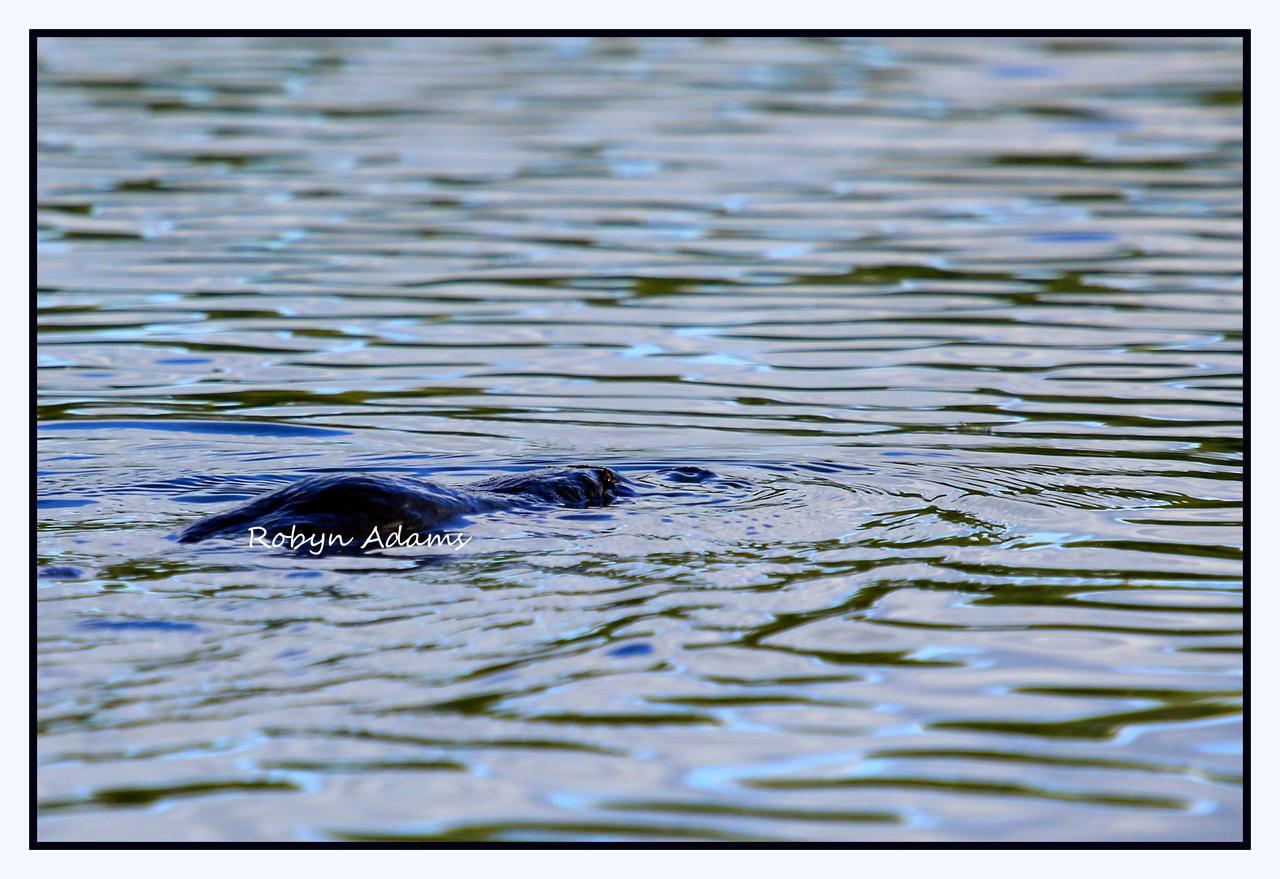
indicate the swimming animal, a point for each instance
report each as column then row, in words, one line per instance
column 351, row 506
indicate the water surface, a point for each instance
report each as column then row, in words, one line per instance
column 956, row 323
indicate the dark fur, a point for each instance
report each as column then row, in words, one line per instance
column 353, row 505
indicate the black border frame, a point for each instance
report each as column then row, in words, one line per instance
column 35, row 33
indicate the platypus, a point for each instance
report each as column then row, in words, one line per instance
column 351, row 506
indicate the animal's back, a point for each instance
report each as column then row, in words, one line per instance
column 352, row 505
column 344, row 504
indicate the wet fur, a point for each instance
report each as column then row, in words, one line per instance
column 352, row 505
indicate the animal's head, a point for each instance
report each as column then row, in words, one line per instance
column 603, row 485
column 577, row 486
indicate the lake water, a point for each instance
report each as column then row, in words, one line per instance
column 957, row 323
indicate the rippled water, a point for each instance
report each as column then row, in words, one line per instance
column 957, row 323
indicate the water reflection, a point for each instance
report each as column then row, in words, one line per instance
column 925, row 356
